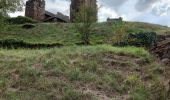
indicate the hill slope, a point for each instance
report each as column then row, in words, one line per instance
column 65, row 34
column 82, row 73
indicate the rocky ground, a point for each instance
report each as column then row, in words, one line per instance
column 162, row 51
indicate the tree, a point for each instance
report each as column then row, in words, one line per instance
column 84, row 20
column 7, row 6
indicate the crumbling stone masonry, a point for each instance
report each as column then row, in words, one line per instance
column 35, row 9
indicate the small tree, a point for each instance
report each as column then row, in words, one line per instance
column 119, row 30
column 84, row 20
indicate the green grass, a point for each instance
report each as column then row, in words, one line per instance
column 65, row 33
column 79, row 73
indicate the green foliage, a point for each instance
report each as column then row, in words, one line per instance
column 64, row 33
column 140, row 93
column 14, row 43
column 119, row 30
column 144, row 39
column 11, row 43
column 74, row 74
column 2, row 23
column 7, row 6
column 67, row 73
column 141, row 39
column 132, row 80
column 134, row 30
column 20, row 20
column 11, row 96
column 72, row 95
column 112, row 82
column 85, row 19
column 2, row 82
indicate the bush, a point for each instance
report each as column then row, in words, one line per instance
column 10, row 43
column 15, row 43
column 141, row 39
column 3, row 25
column 20, row 20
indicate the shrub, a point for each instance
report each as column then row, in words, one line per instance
column 119, row 32
column 20, row 20
column 15, row 43
column 141, row 39
column 3, row 24
column 11, row 43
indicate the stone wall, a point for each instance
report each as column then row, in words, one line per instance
column 115, row 20
column 35, row 9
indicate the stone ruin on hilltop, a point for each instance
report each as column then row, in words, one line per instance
column 35, row 9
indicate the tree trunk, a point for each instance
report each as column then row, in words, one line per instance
column 86, row 39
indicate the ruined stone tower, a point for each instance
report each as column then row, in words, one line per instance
column 76, row 6
column 35, row 9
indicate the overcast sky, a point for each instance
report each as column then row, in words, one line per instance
column 153, row 11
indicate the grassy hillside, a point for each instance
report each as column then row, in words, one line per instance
column 82, row 73
column 65, row 34
column 96, row 72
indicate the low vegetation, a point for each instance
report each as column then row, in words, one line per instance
column 76, row 72
column 19, row 20
column 141, row 39
column 33, row 68
column 84, row 20
column 82, row 73
column 66, row 34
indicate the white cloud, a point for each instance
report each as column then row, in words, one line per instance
column 162, row 9
column 105, row 13
column 58, row 6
